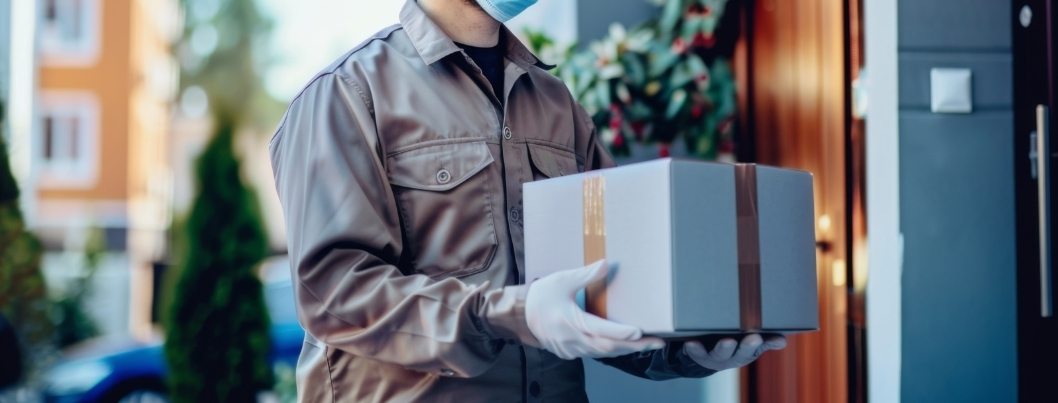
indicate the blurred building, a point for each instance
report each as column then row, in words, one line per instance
column 16, row 72
column 5, row 63
column 106, row 80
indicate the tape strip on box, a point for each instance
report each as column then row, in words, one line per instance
column 748, row 246
column 595, row 240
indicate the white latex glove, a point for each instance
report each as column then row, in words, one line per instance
column 725, row 356
column 569, row 332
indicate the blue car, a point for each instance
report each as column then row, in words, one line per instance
column 109, row 370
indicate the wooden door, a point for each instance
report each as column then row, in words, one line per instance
column 798, row 62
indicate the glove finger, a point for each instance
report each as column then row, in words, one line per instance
column 775, row 343
column 724, row 349
column 596, row 326
column 698, row 353
column 606, row 347
column 749, row 349
column 576, row 279
column 597, row 271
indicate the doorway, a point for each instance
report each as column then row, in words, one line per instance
column 800, row 61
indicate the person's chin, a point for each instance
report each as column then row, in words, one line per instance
column 477, row 7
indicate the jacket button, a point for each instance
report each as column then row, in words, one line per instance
column 516, row 215
column 443, row 176
column 534, row 389
column 507, row 132
column 447, row 372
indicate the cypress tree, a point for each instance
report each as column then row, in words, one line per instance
column 23, row 291
column 217, row 339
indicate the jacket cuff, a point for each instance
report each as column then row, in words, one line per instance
column 504, row 315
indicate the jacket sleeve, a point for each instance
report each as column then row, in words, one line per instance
column 669, row 362
column 344, row 239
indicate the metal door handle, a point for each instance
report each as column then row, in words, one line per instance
column 1043, row 181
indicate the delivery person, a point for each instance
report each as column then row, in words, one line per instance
column 400, row 170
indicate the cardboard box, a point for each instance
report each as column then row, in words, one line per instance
column 700, row 247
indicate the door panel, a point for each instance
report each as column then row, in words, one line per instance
column 958, row 290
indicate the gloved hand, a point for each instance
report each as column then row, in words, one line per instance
column 724, row 356
column 566, row 330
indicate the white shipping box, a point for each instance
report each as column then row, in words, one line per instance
column 699, row 247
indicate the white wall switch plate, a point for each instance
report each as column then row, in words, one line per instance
column 951, row 90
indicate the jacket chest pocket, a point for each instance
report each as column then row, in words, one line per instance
column 445, row 197
column 551, row 161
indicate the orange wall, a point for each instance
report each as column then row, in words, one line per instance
column 149, row 116
column 110, row 79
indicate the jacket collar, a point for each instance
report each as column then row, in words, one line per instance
column 433, row 44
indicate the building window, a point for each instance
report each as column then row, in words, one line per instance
column 69, row 31
column 68, row 151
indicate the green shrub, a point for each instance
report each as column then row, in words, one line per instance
column 217, row 338
column 73, row 324
column 23, row 291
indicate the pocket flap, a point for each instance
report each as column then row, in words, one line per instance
column 438, row 167
column 552, row 162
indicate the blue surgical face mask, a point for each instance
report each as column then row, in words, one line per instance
column 504, row 10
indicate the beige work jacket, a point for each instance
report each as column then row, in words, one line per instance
column 400, row 173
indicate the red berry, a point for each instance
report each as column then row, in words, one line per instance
column 697, row 111
column 703, row 41
column 637, row 128
column 663, row 150
column 699, row 40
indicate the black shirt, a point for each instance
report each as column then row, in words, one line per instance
column 490, row 60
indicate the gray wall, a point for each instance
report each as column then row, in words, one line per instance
column 595, row 16
column 957, row 206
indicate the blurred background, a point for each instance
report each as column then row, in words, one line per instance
column 138, row 218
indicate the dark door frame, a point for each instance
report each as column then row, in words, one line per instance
column 1034, row 84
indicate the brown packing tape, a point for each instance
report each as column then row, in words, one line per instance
column 748, row 247
column 595, row 240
